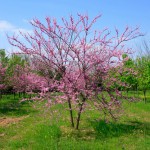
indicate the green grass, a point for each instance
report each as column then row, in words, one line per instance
column 40, row 129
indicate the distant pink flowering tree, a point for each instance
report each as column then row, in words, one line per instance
column 24, row 80
column 81, row 57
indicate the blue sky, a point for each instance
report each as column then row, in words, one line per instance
column 15, row 14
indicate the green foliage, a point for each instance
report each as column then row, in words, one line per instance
column 14, row 61
column 143, row 66
column 3, row 58
column 128, row 63
column 129, row 75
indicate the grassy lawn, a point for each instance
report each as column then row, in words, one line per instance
column 25, row 127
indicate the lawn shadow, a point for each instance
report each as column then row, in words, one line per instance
column 11, row 106
column 105, row 130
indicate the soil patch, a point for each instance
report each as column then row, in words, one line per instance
column 7, row 121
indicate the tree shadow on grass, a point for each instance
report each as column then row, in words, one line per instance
column 105, row 130
column 11, row 106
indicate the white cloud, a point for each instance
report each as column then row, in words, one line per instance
column 6, row 26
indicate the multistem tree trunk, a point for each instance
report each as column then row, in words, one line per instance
column 79, row 113
column 71, row 113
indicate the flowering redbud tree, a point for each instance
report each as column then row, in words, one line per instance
column 81, row 57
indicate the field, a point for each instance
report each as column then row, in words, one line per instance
column 25, row 127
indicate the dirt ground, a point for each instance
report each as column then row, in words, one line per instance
column 4, row 121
